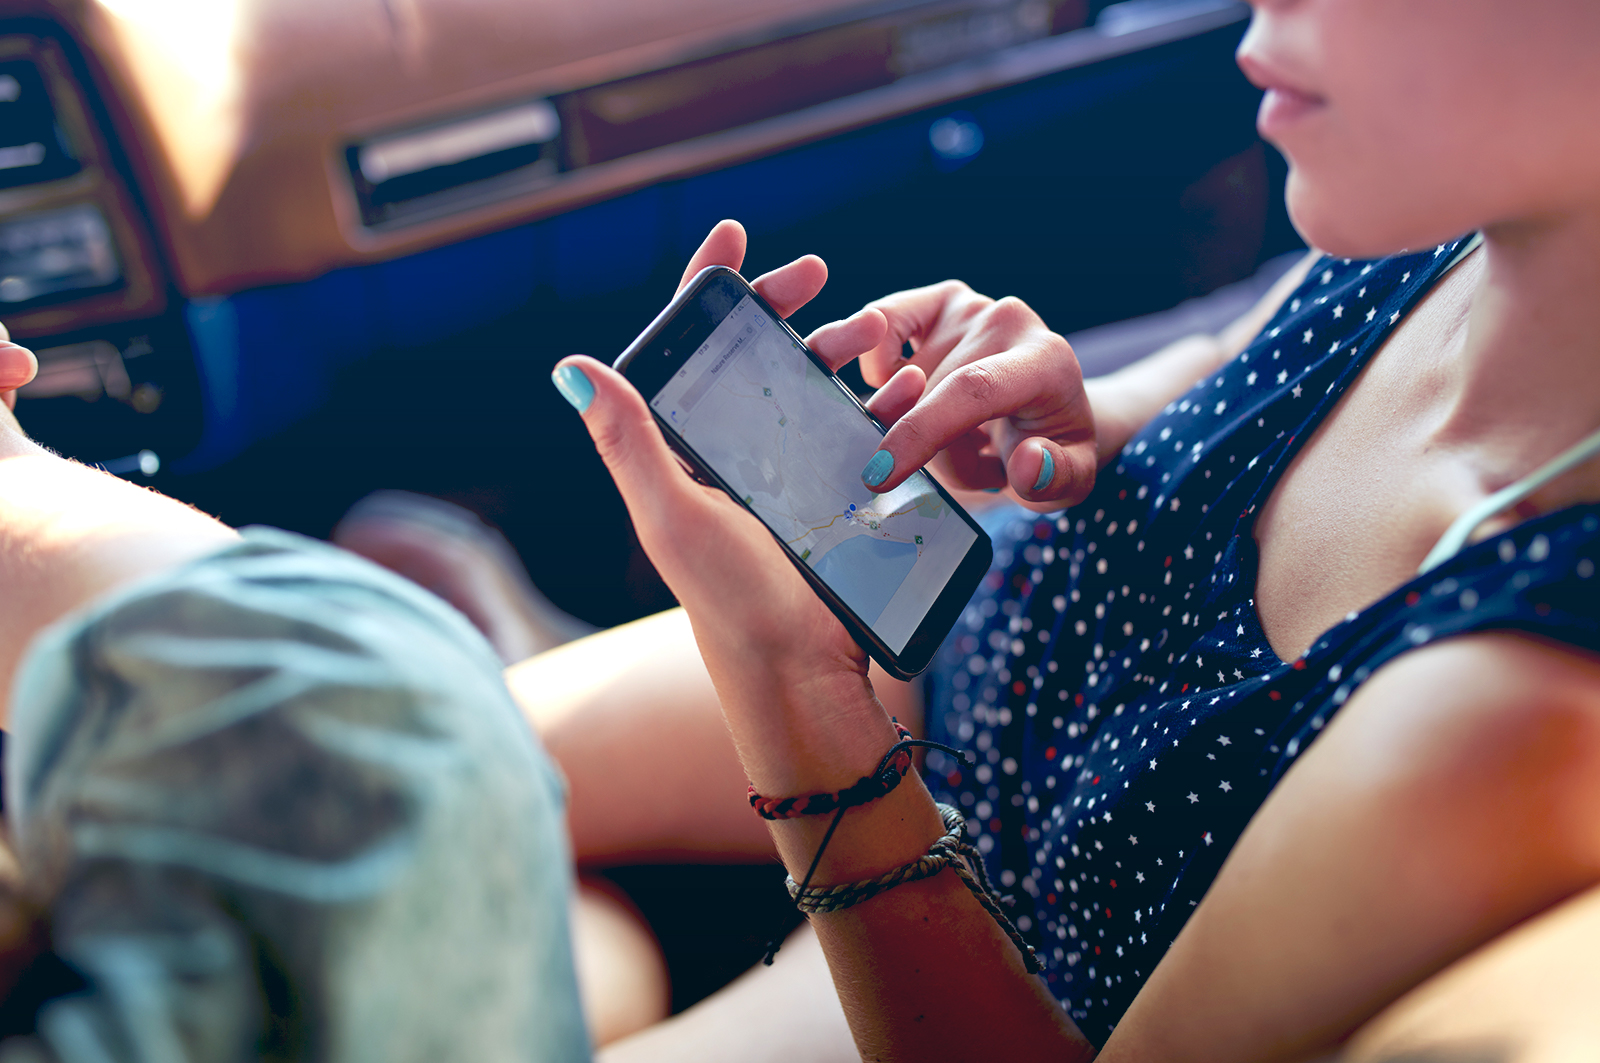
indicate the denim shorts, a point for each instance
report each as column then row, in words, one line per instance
column 279, row 805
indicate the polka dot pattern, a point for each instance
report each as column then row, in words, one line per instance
column 1128, row 714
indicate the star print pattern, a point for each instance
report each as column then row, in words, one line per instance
column 1112, row 664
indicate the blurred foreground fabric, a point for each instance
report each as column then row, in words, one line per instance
column 279, row 805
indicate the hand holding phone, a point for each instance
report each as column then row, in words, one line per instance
column 751, row 410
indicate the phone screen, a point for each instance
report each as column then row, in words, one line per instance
column 791, row 441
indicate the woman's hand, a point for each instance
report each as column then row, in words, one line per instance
column 1005, row 403
column 792, row 681
column 794, row 688
column 1003, row 391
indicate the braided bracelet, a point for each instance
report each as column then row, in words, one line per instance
column 865, row 790
column 951, row 851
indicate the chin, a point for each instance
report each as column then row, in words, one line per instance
column 1358, row 221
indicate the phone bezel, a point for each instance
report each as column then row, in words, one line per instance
column 652, row 359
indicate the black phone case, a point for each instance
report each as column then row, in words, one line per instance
column 936, row 623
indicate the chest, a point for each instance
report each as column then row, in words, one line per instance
column 1368, row 495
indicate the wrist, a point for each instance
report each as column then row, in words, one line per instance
column 813, row 735
column 801, row 723
column 888, row 833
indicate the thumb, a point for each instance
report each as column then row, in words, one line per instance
column 17, row 365
column 627, row 438
column 1048, row 475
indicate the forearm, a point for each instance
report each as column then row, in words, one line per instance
column 902, row 959
column 634, row 705
column 69, row 533
column 922, row 970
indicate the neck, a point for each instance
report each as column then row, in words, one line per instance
column 1526, row 378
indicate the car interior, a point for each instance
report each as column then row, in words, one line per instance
column 274, row 255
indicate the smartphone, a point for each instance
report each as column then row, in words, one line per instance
column 751, row 410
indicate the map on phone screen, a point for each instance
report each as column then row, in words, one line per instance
column 791, row 442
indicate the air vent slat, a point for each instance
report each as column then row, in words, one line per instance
column 32, row 146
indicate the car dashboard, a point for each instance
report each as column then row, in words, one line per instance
column 274, row 254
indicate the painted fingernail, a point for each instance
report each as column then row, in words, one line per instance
column 574, row 386
column 1047, row 470
column 878, row 469
column 991, row 490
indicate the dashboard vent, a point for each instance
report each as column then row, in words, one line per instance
column 426, row 172
column 54, row 254
column 32, row 147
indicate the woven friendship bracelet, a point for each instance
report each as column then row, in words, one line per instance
column 836, row 898
column 866, row 790
column 950, row 851
column 891, row 769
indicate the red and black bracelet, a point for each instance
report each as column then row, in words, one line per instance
column 865, row 790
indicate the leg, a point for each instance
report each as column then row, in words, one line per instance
column 453, row 553
column 1527, row 997
column 632, row 719
column 274, row 803
column 786, row 1013
column 622, row 977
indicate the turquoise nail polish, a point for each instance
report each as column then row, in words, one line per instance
column 1047, row 469
column 991, row 490
column 574, row 386
column 878, row 469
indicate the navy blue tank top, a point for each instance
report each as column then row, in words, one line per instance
column 1128, row 713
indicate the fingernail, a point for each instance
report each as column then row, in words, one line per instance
column 878, row 469
column 1047, row 469
column 574, row 386
column 991, row 490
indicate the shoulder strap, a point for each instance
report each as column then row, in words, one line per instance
column 1456, row 537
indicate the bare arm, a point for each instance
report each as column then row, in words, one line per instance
column 804, row 718
column 1450, row 799
column 69, row 533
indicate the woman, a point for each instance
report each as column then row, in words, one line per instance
column 1348, row 775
